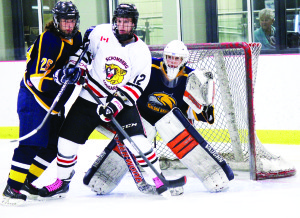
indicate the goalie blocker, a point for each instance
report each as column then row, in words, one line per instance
column 193, row 151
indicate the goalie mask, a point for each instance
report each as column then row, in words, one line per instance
column 175, row 57
column 125, row 11
column 67, row 11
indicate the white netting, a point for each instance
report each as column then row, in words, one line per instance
column 229, row 135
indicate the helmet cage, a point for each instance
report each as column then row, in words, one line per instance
column 126, row 11
column 65, row 10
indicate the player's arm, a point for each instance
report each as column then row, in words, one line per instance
column 43, row 60
column 86, row 59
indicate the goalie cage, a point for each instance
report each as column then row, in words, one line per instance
column 233, row 134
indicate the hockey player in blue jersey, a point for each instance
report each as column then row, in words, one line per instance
column 40, row 85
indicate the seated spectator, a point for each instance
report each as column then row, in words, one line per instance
column 266, row 33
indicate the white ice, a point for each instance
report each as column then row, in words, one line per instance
column 245, row 198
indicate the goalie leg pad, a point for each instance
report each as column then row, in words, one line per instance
column 193, row 151
column 106, row 172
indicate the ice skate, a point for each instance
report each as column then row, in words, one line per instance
column 30, row 190
column 12, row 197
column 56, row 190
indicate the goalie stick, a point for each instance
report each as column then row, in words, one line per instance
column 169, row 183
column 55, row 101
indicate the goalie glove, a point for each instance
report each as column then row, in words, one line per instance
column 111, row 109
column 62, row 75
column 200, row 90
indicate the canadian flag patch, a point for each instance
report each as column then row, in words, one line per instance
column 104, row 39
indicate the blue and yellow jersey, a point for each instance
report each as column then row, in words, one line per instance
column 158, row 99
column 48, row 54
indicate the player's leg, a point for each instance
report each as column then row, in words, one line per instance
column 79, row 124
column 130, row 119
column 30, row 115
column 43, row 158
column 40, row 163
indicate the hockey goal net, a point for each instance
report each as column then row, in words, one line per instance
column 233, row 133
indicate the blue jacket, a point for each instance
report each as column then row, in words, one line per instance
column 260, row 36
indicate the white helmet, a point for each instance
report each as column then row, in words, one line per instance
column 178, row 49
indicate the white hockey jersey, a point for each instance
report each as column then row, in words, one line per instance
column 126, row 69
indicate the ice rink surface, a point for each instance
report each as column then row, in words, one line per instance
column 245, row 198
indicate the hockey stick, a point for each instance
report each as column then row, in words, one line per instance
column 136, row 174
column 169, row 183
column 60, row 93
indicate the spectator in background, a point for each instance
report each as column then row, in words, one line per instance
column 266, row 33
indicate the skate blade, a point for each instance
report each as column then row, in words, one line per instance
column 54, row 197
column 7, row 201
column 30, row 196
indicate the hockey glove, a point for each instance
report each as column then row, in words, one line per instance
column 71, row 74
column 111, row 109
column 87, row 34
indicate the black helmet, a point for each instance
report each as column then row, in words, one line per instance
column 128, row 11
column 65, row 10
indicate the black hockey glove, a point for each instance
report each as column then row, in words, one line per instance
column 71, row 74
column 111, row 109
column 208, row 113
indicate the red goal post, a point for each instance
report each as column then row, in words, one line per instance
column 233, row 134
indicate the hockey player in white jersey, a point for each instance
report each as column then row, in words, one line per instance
column 120, row 71
column 175, row 92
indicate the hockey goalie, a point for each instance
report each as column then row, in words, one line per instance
column 175, row 96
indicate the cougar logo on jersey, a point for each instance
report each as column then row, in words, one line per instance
column 161, row 102
column 114, row 74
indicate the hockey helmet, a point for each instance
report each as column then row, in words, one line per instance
column 127, row 11
column 65, row 10
column 175, row 49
